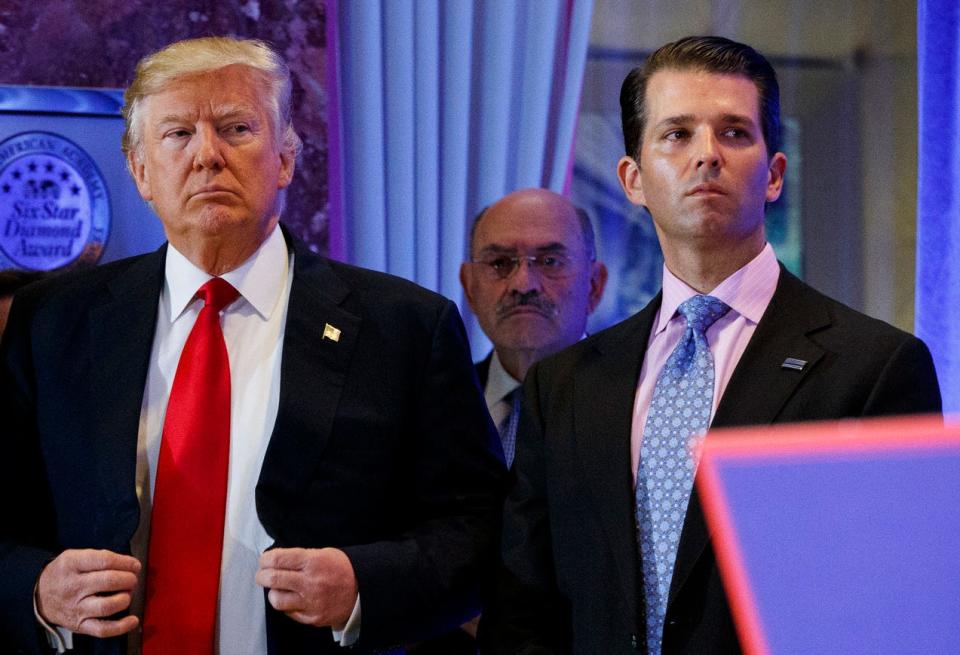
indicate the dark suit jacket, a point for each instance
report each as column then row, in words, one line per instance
column 571, row 575
column 382, row 444
column 483, row 369
column 457, row 641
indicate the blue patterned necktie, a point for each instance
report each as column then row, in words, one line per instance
column 508, row 426
column 679, row 414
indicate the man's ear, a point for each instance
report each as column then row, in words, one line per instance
column 598, row 282
column 777, row 168
column 466, row 281
column 288, row 163
column 139, row 173
column 628, row 172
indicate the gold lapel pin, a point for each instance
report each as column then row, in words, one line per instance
column 330, row 332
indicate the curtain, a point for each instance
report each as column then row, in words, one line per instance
column 444, row 107
column 938, row 204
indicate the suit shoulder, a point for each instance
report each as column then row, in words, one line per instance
column 78, row 287
column 619, row 337
column 848, row 326
column 386, row 288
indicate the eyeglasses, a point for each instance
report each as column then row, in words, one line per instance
column 552, row 265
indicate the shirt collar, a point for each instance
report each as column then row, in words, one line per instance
column 261, row 279
column 747, row 291
column 499, row 382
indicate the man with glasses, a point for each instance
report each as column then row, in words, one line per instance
column 532, row 280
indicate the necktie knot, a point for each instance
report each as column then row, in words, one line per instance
column 217, row 293
column 702, row 311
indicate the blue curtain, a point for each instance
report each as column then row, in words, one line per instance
column 938, row 203
column 446, row 105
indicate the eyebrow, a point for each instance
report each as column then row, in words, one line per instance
column 227, row 114
column 685, row 119
column 495, row 249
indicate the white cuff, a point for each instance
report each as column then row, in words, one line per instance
column 351, row 631
column 57, row 637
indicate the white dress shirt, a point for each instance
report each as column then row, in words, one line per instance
column 253, row 329
column 499, row 384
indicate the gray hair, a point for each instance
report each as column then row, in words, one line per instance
column 194, row 56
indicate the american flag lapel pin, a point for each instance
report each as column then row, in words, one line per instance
column 794, row 363
column 330, row 332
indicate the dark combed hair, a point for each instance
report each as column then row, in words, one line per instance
column 713, row 54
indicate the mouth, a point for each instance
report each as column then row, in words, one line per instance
column 523, row 310
column 707, row 189
column 211, row 191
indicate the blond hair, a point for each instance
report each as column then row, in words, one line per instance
column 203, row 55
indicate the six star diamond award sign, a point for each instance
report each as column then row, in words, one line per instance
column 54, row 205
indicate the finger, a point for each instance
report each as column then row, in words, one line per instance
column 283, row 558
column 306, row 618
column 281, row 579
column 100, row 606
column 285, row 601
column 107, row 581
column 104, row 628
column 86, row 561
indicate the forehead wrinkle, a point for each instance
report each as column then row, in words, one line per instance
column 224, row 112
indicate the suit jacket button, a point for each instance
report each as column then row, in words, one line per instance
column 634, row 643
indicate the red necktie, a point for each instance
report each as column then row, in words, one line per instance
column 189, row 498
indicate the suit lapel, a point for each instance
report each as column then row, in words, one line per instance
column 121, row 333
column 759, row 388
column 314, row 365
column 604, row 391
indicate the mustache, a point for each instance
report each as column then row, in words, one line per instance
column 529, row 299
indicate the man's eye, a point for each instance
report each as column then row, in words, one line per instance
column 178, row 134
column 735, row 133
column 501, row 263
column 675, row 135
column 551, row 261
column 239, row 128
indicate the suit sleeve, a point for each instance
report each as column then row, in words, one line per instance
column 26, row 514
column 427, row 579
column 527, row 614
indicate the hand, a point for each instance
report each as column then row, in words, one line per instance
column 310, row 585
column 80, row 587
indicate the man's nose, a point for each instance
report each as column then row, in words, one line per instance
column 208, row 154
column 526, row 276
column 708, row 151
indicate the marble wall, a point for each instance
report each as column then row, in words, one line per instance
column 97, row 43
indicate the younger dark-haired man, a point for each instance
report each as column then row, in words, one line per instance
column 604, row 545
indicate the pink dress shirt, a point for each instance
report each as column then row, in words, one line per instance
column 747, row 292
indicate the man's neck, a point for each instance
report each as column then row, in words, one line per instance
column 704, row 268
column 220, row 253
column 518, row 362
